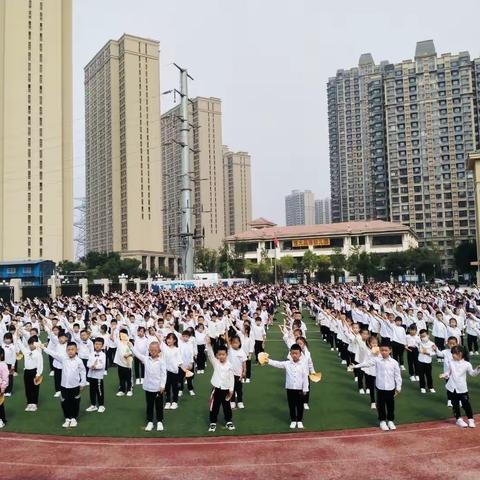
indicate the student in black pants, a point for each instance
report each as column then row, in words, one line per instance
column 33, row 363
column 412, row 353
column 388, row 382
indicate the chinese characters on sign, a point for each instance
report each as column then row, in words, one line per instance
column 313, row 242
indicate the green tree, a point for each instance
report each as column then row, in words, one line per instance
column 323, row 268
column 425, row 261
column 231, row 261
column 206, row 260
column 65, row 267
column 309, row 263
column 397, row 263
column 260, row 272
column 338, row 262
column 464, row 253
column 284, row 265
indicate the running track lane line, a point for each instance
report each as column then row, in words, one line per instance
column 222, row 440
column 237, row 465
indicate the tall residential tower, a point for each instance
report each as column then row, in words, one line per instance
column 36, row 159
column 300, row 208
column 123, row 151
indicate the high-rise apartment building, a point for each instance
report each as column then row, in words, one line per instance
column 322, row 211
column 36, row 157
column 357, row 143
column 238, row 191
column 300, row 208
column 205, row 118
column 419, row 137
column 123, row 151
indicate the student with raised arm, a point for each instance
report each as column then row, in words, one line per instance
column 72, row 381
column 296, row 383
column 153, row 383
column 223, row 383
column 388, row 383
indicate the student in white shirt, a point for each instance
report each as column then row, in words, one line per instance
column 73, row 380
column 10, row 352
column 200, row 335
column 96, row 365
column 238, row 359
column 296, row 383
column 85, row 346
column 33, row 369
column 188, row 352
column 141, row 344
column 426, row 350
column 223, row 383
column 412, row 344
column 259, row 336
column 457, row 385
column 446, row 355
column 173, row 361
column 153, row 384
column 388, row 383
column 123, row 360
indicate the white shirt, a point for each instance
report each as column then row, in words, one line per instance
column 237, row 358
column 85, row 348
column 457, row 375
column 223, row 376
column 73, row 370
column 173, row 358
column 426, row 357
column 296, row 377
column 96, row 365
column 33, row 359
column 387, row 372
column 187, row 351
column 155, row 371
column 258, row 332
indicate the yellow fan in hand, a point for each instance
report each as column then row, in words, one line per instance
column 263, row 358
column 315, row 377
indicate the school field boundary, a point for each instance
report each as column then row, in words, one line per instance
column 423, row 450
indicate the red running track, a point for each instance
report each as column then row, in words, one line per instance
column 418, row 451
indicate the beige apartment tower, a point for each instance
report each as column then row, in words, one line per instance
column 123, row 151
column 205, row 117
column 36, row 159
column 238, row 191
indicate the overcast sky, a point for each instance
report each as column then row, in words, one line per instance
column 269, row 61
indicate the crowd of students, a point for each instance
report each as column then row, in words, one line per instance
column 161, row 341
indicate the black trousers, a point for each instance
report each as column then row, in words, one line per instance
column 258, row 348
column 181, row 381
column 9, row 388
column 248, row 368
column 412, row 360
column 386, row 405
column 238, row 390
column 124, row 379
column 360, row 376
column 472, row 343
column 439, row 342
column 154, row 406
column 139, row 368
column 201, row 357
column 97, row 392
column 217, row 398
column 465, row 399
column 3, row 418
column 171, row 387
column 370, row 382
column 295, row 404
column 31, row 390
column 57, row 378
column 70, row 402
column 110, row 356
column 425, row 374
column 397, row 350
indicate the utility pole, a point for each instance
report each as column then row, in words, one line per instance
column 186, row 233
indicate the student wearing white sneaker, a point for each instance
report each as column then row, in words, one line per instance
column 173, row 361
column 238, row 360
column 296, row 383
column 223, row 384
column 457, row 385
column 188, row 352
column 141, row 342
column 96, row 364
column 446, row 355
column 72, row 382
column 123, row 360
column 412, row 344
column 427, row 349
column 388, row 383
column 153, row 384
column 33, row 369
column 3, row 386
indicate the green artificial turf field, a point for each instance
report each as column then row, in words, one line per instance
column 334, row 402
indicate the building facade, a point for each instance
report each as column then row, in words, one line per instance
column 123, row 151
column 238, row 191
column 36, row 148
column 375, row 236
column 424, row 125
column 300, row 208
column 205, row 118
column 322, row 211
